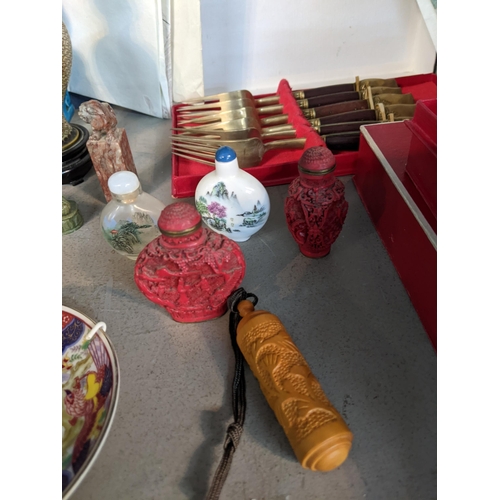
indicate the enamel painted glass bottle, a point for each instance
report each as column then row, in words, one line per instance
column 231, row 201
column 130, row 220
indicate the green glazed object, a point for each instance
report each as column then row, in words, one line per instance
column 71, row 217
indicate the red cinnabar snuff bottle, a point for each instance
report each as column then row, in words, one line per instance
column 315, row 207
column 189, row 270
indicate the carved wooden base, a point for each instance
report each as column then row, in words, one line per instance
column 76, row 161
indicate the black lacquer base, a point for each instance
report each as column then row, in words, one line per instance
column 76, row 160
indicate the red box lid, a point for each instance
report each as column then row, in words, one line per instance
column 280, row 166
column 422, row 157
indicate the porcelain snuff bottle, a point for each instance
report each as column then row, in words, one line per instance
column 231, row 201
column 130, row 220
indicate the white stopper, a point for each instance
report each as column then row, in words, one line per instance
column 123, row 182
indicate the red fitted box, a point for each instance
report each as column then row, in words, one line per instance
column 422, row 158
column 280, row 166
column 400, row 214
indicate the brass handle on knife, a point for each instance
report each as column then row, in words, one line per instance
column 399, row 111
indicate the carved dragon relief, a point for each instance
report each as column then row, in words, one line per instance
column 286, row 380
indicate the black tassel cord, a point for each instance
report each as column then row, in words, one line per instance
column 235, row 429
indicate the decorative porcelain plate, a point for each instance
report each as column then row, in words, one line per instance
column 90, row 386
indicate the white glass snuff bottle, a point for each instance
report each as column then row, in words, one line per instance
column 231, row 201
column 130, row 220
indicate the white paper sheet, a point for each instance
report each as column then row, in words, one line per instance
column 186, row 50
column 119, row 52
column 254, row 44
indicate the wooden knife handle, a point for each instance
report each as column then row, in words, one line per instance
column 342, row 142
column 335, row 128
column 322, row 100
column 329, row 89
column 334, row 109
column 349, row 116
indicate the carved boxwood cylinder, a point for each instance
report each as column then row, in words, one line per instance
column 317, row 432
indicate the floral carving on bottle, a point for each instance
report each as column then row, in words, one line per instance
column 315, row 216
column 189, row 270
column 316, row 207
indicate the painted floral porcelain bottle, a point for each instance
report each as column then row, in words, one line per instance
column 231, row 201
column 130, row 220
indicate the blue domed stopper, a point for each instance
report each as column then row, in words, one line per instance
column 225, row 154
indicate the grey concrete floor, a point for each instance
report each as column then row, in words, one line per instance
column 348, row 313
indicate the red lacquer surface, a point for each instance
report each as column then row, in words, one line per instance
column 316, row 208
column 407, row 243
column 422, row 157
column 190, row 271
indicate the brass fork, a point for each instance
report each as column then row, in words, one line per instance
column 249, row 151
column 234, row 114
column 243, row 128
column 235, row 94
column 244, row 133
column 215, row 107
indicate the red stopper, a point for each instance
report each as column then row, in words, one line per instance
column 178, row 217
column 317, row 159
